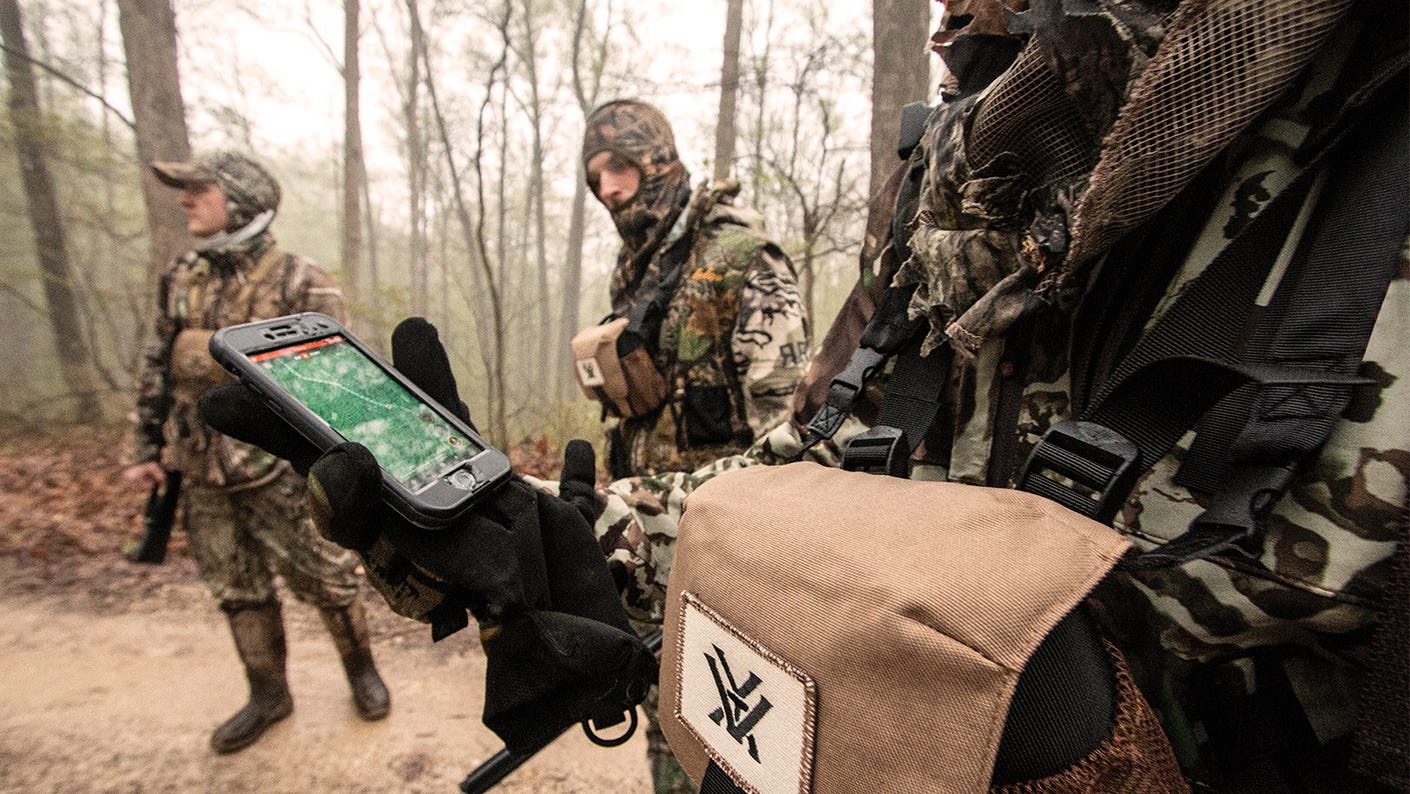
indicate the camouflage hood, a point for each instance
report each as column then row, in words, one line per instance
column 640, row 134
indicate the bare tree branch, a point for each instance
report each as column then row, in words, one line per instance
column 73, row 82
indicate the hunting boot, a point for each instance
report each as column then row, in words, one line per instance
column 259, row 638
column 348, row 626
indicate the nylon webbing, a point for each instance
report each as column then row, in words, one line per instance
column 1335, row 286
column 888, row 332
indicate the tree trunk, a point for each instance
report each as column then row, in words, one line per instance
column 729, row 90
column 57, row 274
column 492, row 341
column 900, row 75
column 571, row 296
column 149, row 40
column 352, row 159
column 534, row 201
column 415, row 161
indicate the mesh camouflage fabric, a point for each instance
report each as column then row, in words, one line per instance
column 638, row 133
column 1021, row 167
column 249, row 188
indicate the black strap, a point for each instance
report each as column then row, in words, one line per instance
column 717, row 781
column 887, row 333
column 646, row 314
column 1305, row 368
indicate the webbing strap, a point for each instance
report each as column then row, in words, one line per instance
column 246, row 299
column 196, row 295
column 644, row 318
column 888, row 332
column 717, row 781
column 1334, row 289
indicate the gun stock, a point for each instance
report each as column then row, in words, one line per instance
column 157, row 520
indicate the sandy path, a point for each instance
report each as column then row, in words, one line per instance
column 121, row 696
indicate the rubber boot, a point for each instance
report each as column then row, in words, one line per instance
column 259, row 639
column 348, row 626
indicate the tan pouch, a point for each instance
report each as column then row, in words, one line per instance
column 834, row 632
column 628, row 386
column 193, row 371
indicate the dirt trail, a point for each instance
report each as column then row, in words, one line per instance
column 112, row 675
column 124, row 702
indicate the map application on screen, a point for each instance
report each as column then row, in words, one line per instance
column 360, row 401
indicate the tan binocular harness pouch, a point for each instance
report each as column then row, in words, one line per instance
column 832, row 631
column 628, row 386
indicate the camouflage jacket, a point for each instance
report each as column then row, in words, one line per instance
column 732, row 347
column 196, row 294
column 1310, row 593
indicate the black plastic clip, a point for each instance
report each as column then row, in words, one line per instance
column 1085, row 467
column 880, row 450
column 843, row 391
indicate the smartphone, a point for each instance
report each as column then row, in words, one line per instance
column 332, row 388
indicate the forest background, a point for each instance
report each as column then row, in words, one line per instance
column 429, row 157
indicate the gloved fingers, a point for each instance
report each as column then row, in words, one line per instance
column 579, row 582
column 236, row 411
column 493, row 553
column 345, row 496
column 418, row 354
column 548, row 670
column 577, row 484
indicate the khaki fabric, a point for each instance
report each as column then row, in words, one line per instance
column 193, row 371
column 628, row 386
column 913, row 593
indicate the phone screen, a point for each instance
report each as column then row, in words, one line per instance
column 359, row 400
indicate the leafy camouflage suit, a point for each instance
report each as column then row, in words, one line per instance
column 1303, row 609
column 243, row 509
column 733, row 343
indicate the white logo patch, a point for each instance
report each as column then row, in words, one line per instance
column 754, row 713
column 589, row 373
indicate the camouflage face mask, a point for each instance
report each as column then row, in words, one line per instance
column 640, row 134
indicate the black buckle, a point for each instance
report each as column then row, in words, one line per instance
column 1231, row 524
column 880, row 450
column 844, row 390
column 1083, row 466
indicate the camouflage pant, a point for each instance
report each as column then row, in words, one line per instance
column 240, row 539
column 667, row 777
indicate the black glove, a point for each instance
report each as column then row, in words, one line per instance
column 523, row 562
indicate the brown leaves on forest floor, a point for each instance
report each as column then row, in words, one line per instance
column 68, row 521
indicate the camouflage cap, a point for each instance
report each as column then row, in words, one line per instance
column 248, row 186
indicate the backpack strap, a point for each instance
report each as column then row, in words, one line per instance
column 1304, row 369
column 246, row 298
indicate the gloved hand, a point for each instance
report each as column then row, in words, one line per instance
column 524, row 562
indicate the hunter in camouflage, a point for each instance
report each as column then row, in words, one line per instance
column 1303, row 610
column 243, row 509
column 734, row 340
column 733, row 344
